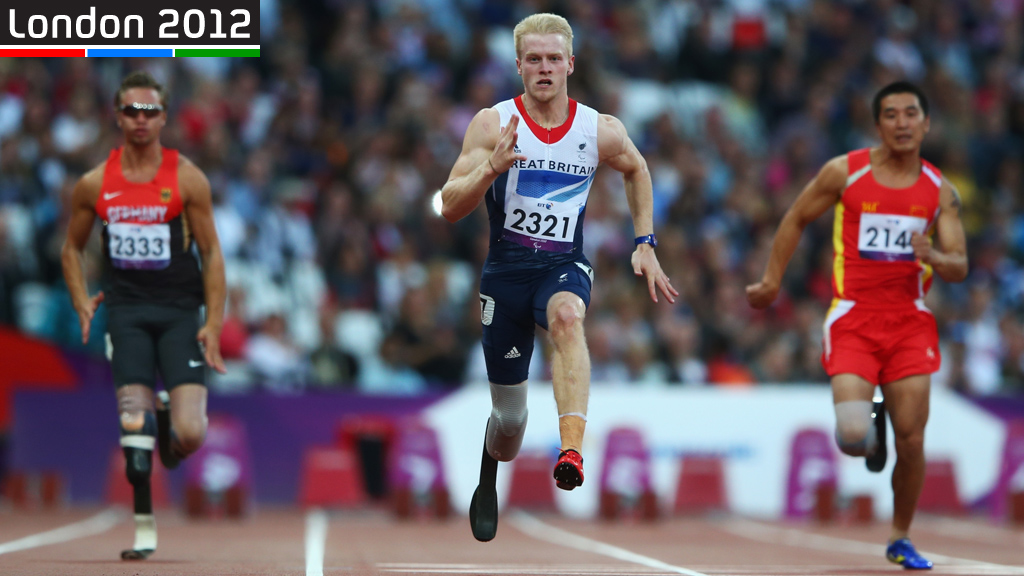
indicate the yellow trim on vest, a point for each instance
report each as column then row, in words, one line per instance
column 835, row 302
column 839, row 260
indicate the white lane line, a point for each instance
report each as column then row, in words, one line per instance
column 316, row 540
column 515, row 569
column 971, row 531
column 534, row 528
column 98, row 524
column 798, row 538
column 590, row 570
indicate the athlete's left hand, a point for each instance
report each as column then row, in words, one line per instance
column 922, row 247
column 209, row 343
column 645, row 263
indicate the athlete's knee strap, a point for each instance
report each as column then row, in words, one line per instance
column 138, row 429
column 855, row 434
column 507, row 424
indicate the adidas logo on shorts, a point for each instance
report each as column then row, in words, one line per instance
column 513, row 353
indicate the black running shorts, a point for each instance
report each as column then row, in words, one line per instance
column 145, row 338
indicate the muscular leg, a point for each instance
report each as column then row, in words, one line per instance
column 180, row 363
column 907, row 401
column 138, row 429
column 181, row 418
column 188, row 418
column 570, row 366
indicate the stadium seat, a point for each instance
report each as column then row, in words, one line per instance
column 701, row 486
column 625, row 482
column 221, row 470
column 415, row 472
column 119, row 491
column 331, row 477
column 1010, row 485
column 812, row 465
column 940, row 494
column 531, row 486
column 359, row 332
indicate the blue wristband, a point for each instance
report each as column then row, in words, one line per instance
column 649, row 239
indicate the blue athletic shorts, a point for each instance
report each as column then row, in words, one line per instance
column 512, row 303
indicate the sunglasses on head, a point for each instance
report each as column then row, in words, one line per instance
column 135, row 108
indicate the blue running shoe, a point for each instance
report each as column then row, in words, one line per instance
column 902, row 552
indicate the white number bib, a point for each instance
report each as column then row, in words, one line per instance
column 541, row 224
column 140, row 246
column 886, row 237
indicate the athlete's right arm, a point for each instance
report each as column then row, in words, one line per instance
column 72, row 256
column 819, row 195
column 487, row 150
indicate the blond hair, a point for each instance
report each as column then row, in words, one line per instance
column 543, row 24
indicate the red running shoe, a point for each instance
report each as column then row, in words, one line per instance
column 569, row 470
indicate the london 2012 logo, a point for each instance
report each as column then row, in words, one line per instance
column 59, row 28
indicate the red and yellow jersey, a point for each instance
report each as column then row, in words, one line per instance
column 146, row 238
column 874, row 260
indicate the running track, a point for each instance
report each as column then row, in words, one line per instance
column 291, row 542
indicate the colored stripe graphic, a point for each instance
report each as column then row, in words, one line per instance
column 42, row 52
column 236, row 52
column 839, row 245
column 547, row 183
column 129, row 52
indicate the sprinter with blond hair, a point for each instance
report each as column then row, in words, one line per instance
column 535, row 183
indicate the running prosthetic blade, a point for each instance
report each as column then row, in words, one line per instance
column 136, row 554
column 569, row 470
column 164, row 432
column 145, row 538
column 876, row 462
column 483, row 509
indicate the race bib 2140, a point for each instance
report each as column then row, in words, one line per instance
column 886, row 237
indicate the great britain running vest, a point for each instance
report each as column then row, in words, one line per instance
column 536, row 208
column 147, row 246
column 874, row 261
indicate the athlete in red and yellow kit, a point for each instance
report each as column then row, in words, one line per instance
column 163, row 265
column 889, row 206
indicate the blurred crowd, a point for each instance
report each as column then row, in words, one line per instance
column 327, row 153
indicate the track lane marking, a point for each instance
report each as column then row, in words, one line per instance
column 533, row 570
column 515, row 569
column 539, row 530
column 971, row 531
column 316, row 541
column 797, row 538
column 98, row 524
